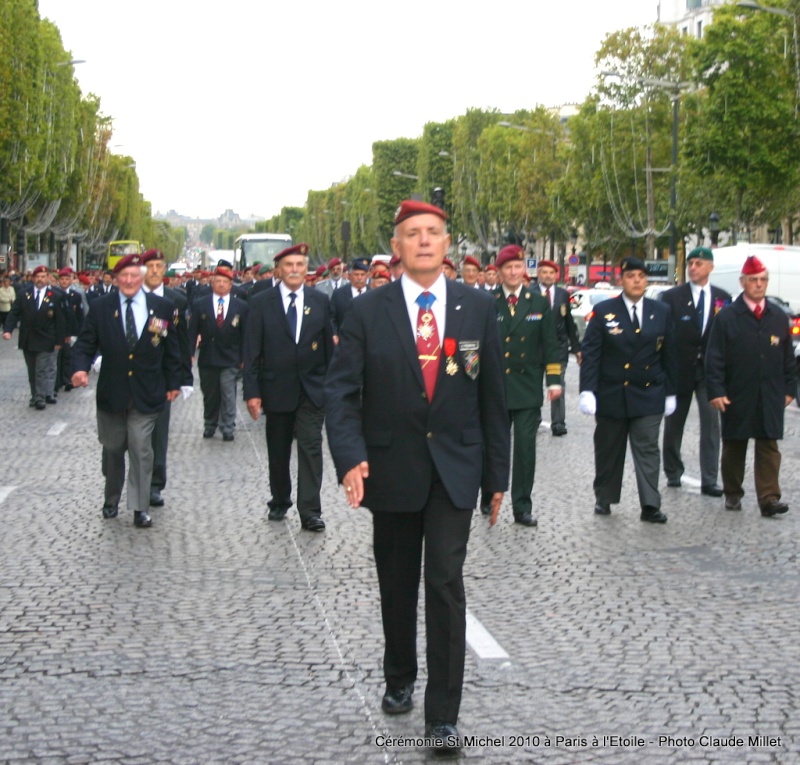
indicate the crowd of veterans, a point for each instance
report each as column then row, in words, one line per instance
column 405, row 364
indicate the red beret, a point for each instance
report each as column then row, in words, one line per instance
column 321, row 270
column 152, row 255
column 411, row 207
column 509, row 253
column 491, row 267
column 449, row 263
column 548, row 264
column 298, row 249
column 395, row 261
column 84, row 279
column 165, row 281
column 333, row 262
column 222, row 271
column 468, row 260
column 66, row 271
column 751, row 266
column 134, row 259
column 380, row 272
column 40, row 270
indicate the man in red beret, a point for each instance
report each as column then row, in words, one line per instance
column 288, row 346
column 140, row 372
column 566, row 335
column 396, row 268
column 470, row 269
column 73, row 306
column 491, row 277
column 39, row 311
column 416, row 381
column 449, row 270
column 335, row 278
column 750, row 378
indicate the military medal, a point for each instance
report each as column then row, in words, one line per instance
column 235, row 321
column 307, row 310
column 424, row 328
column 450, row 350
column 470, row 356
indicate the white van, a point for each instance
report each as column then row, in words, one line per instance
column 782, row 262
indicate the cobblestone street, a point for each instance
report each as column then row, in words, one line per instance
column 220, row 637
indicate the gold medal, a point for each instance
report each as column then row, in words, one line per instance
column 425, row 328
column 451, row 367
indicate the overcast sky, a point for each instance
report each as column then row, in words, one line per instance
column 247, row 105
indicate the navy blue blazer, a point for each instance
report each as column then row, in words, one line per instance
column 143, row 375
column 43, row 328
column 276, row 369
column 219, row 346
column 376, row 408
column 630, row 374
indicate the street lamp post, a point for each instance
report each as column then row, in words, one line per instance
column 713, row 228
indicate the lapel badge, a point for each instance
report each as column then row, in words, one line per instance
column 116, row 314
column 306, row 310
column 774, row 340
column 314, row 346
column 610, row 316
column 527, row 296
column 458, row 308
column 659, row 342
column 615, row 331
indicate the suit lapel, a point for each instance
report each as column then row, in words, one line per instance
column 398, row 317
column 453, row 319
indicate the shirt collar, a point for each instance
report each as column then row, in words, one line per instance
column 412, row 290
column 629, row 304
column 285, row 291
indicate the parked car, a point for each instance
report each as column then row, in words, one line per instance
column 582, row 305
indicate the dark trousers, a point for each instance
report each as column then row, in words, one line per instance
column 306, row 421
column 160, row 446
column 64, row 366
column 558, row 407
column 398, row 548
column 611, row 436
column 766, row 469
column 526, row 425
column 709, row 434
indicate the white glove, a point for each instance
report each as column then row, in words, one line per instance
column 587, row 403
column 97, row 363
column 670, row 405
column 72, row 340
column 186, row 391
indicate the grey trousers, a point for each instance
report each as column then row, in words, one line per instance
column 558, row 407
column 129, row 431
column 41, row 373
column 219, row 397
column 611, row 435
column 709, row 436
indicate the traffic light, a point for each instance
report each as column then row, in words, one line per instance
column 437, row 198
column 22, row 241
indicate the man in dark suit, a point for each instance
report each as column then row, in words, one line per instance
column 264, row 281
column 103, row 287
column 628, row 383
column 219, row 321
column 343, row 297
column 417, row 382
column 335, row 278
column 39, row 310
column 73, row 312
column 566, row 334
column 140, row 371
column 154, row 282
column 694, row 306
column 530, row 353
column 750, row 377
column 288, row 346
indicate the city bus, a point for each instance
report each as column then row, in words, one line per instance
column 251, row 248
column 119, row 249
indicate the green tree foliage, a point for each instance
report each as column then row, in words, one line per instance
column 388, row 158
column 207, row 233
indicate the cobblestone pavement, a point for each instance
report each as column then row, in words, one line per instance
column 219, row 637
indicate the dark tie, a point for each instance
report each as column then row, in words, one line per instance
column 635, row 320
column 130, row 326
column 700, row 308
column 512, row 303
column 38, row 298
column 221, row 312
column 291, row 315
column 427, row 343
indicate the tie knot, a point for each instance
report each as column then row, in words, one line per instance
column 425, row 300
column 293, row 296
column 128, row 300
column 221, row 301
column 512, row 299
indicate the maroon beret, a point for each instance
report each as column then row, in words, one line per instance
column 66, row 271
column 509, row 253
column 134, row 259
column 84, row 279
column 548, row 264
column 491, row 267
column 297, row 249
column 395, row 261
column 222, row 271
column 449, row 263
column 333, row 262
column 751, row 266
column 411, row 207
column 152, row 255
column 40, row 270
column 321, row 270
column 468, row 260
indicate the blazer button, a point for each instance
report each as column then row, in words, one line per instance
column 507, row 354
column 508, row 339
column 625, row 383
column 522, row 339
column 423, row 394
column 430, row 435
column 508, row 371
column 131, row 357
column 522, row 355
column 627, row 366
column 130, row 374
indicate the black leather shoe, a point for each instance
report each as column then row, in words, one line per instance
column 277, row 513
column 314, row 523
column 774, row 508
column 526, row 519
column 68, row 387
column 601, row 508
column 110, row 511
column 652, row 515
column 227, row 436
column 486, row 509
column 559, row 429
column 208, row 433
column 443, row 736
column 40, row 405
column 674, row 483
column 141, row 519
column 733, row 503
column 156, row 500
column 51, row 400
column 712, row 490
column 398, row 702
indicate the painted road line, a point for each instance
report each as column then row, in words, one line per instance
column 5, row 491
column 56, row 428
column 481, row 641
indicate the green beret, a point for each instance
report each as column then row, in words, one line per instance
column 266, row 268
column 701, row 252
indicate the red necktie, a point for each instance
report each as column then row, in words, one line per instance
column 758, row 310
column 512, row 303
column 547, row 295
column 220, row 313
column 427, row 343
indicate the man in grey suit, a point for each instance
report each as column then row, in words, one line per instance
column 694, row 307
column 335, row 280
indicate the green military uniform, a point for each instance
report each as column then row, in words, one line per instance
column 530, row 351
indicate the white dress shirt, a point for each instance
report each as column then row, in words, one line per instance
column 412, row 290
column 639, row 309
column 696, row 290
column 298, row 305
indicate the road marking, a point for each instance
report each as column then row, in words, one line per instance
column 481, row 641
column 56, row 428
column 687, row 480
column 5, row 491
